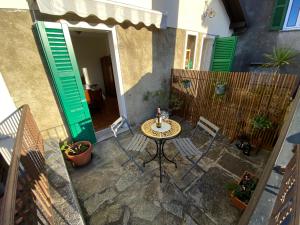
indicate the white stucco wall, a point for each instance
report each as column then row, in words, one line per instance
column 183, row 14
column 187, row 15
column 13, row 4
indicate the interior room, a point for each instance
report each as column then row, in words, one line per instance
column 95, row 65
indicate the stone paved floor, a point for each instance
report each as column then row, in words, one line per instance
column 110, row 194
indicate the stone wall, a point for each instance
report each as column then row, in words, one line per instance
column 22, row 68
column 259, row 39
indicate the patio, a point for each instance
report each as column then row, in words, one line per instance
column 111, row 194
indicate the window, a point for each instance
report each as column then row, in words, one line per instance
column 292, row 19
column 190, row 50
column 207, row 44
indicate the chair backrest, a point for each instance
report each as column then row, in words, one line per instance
column 208, row 126
column 115, row 127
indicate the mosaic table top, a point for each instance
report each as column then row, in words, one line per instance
column 169, row 129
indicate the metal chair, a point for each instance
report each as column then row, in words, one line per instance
column 137, row 143
column 186, row 148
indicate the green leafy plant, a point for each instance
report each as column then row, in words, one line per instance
column 64, row 146
column 280, row 56
column 147, row 95
column 244, row 190
column 161, row 97
column 73, row 148
column 175, row 102
column 261, row 122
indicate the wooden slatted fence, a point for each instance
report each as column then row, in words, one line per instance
column 247, row 95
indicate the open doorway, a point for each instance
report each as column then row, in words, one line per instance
column 92, row 52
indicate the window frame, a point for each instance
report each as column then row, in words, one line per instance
column 204, row 36
column 285, row 28
column 191, row 33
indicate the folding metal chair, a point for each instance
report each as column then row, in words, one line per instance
column 137, row 143
column 186, row 148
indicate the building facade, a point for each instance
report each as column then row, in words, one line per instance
column 272, row 23
column 142, row 53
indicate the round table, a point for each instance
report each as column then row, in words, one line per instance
column 169, row 129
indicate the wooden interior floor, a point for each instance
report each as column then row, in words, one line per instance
column 103, row 117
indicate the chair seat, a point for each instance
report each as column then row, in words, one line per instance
column 186, row 147
column 138, row 143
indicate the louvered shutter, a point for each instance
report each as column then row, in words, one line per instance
column 60, row 58
column 279, row 14
column 223, row 53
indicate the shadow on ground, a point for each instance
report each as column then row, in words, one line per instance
column 110, row 194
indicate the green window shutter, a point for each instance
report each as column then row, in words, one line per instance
column 60, row 58
column 279, row 14
column 223, row 54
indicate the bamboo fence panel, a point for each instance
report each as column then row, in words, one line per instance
column 247, row 95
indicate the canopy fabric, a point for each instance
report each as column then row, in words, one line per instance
column 103, row 10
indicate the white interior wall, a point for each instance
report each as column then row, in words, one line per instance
column 89, row 47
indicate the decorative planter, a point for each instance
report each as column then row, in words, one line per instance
column 220, row 89
column 235, row 201
column 186, row 84
column 83, row 158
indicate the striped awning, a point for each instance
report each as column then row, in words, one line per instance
column 104, row 10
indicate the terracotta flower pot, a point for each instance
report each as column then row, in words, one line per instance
column 83, row 158
column 237, row 202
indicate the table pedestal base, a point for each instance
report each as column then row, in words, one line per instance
column 160, row 153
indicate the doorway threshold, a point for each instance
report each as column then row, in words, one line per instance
column 106, row 133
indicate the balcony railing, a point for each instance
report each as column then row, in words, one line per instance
column 263, row 180
column 286, row 209
column 26, row 198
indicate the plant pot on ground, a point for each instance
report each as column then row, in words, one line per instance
column 243, row 143
column 79, row 153
column 260, row 124
column 241, row 192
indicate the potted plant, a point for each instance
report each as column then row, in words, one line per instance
column 241, row 192
column 278, row 59
column 162, row 98
column 186, row 83
column 220, row 82
column 175, row 102
column 79, row 153
column 259, row 123
column 220, row 88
